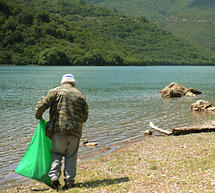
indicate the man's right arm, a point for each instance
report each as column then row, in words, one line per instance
column 43, row 104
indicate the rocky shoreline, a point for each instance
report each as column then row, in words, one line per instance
column 155, row 164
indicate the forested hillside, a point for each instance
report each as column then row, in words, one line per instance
column 193, row 20
column 72, row 32
column 32, row 36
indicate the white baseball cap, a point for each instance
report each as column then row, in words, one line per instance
column 68, row 78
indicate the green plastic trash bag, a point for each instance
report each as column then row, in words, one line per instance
column 36, row 162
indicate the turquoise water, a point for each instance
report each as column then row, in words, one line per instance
column 122, row 101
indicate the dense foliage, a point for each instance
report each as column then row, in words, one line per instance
column 190, row 19
column 32, row 36
column 72, row 32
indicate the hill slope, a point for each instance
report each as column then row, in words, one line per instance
column 190, row 19
column 32, row 36
column 85, row 34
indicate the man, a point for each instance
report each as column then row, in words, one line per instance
column 68, row 110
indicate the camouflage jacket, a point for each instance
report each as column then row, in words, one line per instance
column 68, row 110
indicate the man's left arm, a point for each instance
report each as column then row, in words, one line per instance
column 85, row 111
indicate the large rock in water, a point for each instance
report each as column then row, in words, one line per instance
column 202, row 105
column 177, row 90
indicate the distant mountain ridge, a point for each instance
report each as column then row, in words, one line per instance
column 197, row 3
column 148, row 8
column 41, row 32
column 191, row 19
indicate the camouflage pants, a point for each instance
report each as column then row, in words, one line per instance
column 67, row 147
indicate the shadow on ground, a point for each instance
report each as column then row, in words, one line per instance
column 40, row 190
column 104, row 182
column 91, row 183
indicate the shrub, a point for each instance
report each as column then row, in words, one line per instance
column 53, row 56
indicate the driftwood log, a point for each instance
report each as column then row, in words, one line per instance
column 206, row 127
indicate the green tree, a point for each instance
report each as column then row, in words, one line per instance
column 10, row 24
column 94, row 57
column 5, row 56
column 41, row 17
column 53, row 56
column 18, row 59
column 5, row 8
column 25, row 18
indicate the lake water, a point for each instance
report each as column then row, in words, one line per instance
column 122, row 101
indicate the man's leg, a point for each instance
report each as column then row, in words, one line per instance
column 55, row 171
column 71, row 161
column 58, row 150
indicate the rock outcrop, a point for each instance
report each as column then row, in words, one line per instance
column 177, row 90
column 202, row 105
column 148, row 132
column 89, row 143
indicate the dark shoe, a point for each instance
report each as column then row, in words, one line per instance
column 55, row 184
column 68, row 186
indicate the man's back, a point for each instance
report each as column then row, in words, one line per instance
column 68, row 110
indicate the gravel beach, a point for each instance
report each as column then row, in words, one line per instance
column 183, row 163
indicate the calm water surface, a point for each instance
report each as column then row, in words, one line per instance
column 122, row 101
